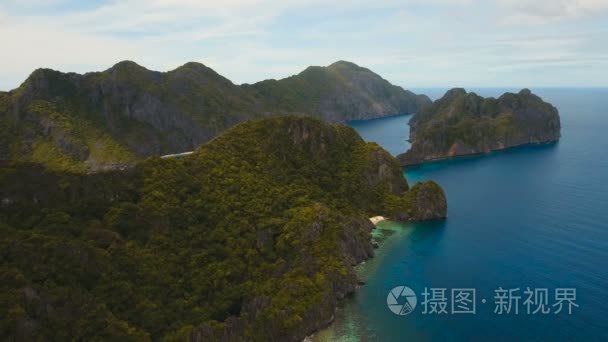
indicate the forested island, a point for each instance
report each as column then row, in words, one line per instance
column 110, row 119
column 252, row 237
column 462, row 123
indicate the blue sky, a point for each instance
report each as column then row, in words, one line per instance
column 412, row 43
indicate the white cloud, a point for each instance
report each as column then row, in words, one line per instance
column 27, row 46
column 543, row 11
column 415, row 41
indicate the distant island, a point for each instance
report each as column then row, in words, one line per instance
column 462, row 123
column 104, row 120
column 253, row 237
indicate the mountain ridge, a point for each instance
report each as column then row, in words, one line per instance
column 98, row 120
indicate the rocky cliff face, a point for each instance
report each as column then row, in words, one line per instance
column 425, row 201
column 376, row 185
column 339, row 92
column 462, row 123
column 103, row 119
column 252, row 237
column 356, row 247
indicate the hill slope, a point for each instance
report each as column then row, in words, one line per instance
column 252, row 237
column 462, row 123
column 107, row 119
column 339, row 92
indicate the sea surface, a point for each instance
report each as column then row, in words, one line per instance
column 532, row 217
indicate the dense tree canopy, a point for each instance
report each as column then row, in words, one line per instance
column 462, row 123
column 253, row 236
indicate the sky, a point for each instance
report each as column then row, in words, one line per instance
column 412, row 43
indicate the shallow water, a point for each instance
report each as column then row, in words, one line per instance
column 528, row 217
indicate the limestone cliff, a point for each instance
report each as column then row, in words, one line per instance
column 462, row 123
column 109, row 119
column 253, row 237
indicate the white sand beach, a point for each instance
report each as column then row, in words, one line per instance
column 377, row 219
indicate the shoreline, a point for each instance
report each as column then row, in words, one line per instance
column 474, row 154
column 376, row 118
column 374, row 220
column 310, row 338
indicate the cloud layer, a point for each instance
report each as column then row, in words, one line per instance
column 413, row 43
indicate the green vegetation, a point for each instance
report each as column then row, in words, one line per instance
column 341, row 91
column 252, row 237
column 45, row 152
column 465, row 123
column 99, row 120
column 62, row 141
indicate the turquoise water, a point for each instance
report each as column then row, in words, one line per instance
column 528, row 217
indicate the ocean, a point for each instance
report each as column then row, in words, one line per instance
column 526, row 222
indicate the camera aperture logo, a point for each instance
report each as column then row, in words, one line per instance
column 401, row 300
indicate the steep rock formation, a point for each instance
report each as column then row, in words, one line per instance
column 462, row 123
column 252, row 237
column 341, row 91
column 107, row 119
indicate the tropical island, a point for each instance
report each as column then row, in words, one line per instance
column 252, row 237
column 462, row 123
column 110, row 119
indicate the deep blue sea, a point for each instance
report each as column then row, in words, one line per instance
column 532, row 217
